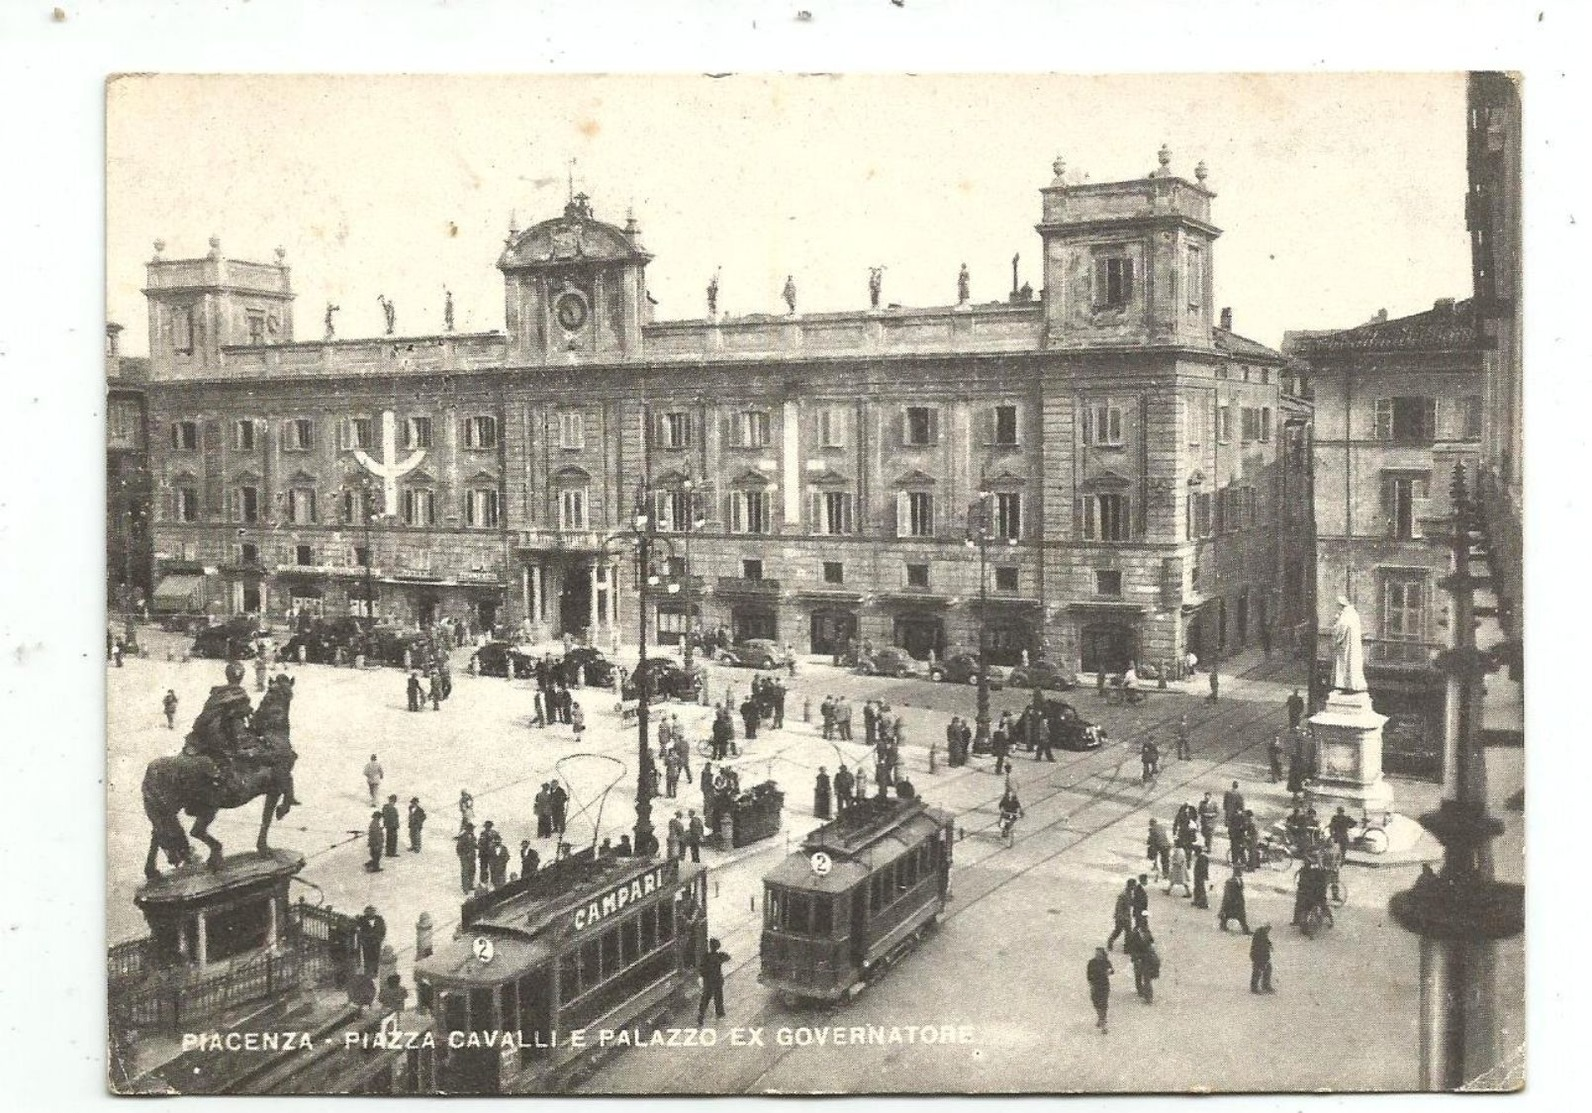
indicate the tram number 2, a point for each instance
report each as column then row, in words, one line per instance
column 482, row 949
column 821, row 863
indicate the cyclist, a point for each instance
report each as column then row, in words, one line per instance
column 1011, row 811
column 1311, row 895
column 1150, row 758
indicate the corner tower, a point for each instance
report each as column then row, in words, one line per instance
column 198, row 306
column 1128, row 263
column 574, row 288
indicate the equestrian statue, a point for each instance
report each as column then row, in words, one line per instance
column 231, row 755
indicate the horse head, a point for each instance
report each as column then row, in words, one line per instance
column 271, row 717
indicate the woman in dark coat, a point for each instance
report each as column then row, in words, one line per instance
column 821, row 795
column 1233, row 903
column 1202, row 877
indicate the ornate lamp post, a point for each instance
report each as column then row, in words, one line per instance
column 1462, row 911
column 693, row 521
column 981, row 530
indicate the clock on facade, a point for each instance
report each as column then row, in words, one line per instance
column 570, row 311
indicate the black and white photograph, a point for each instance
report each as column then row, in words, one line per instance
column 836, row 584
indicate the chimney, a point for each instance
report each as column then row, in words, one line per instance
column 113, row 335
column 1381, row 316
column 1227, row 318
column 1444, row 305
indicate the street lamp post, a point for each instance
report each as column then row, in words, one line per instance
column 979, row 532
column 693, row 522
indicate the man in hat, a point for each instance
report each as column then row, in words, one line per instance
column 712, row 971
column 844, row 784
column 417, row 820
column 169, row 706
column 370, row 931
column 1098, row 971
column 530, row 861
column 1233, row 903
column 1260, row 960
column 464, row 843
column 821, row 795
column 389, row 822
column 375, row 838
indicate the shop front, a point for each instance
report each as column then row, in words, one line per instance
column 1109, row 635
column 918, row 624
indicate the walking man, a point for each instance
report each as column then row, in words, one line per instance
column 843, row 787
column 675, row 843
column 1202, row 878
column 1296, row 710
column 1274, row 757
column 370, row 930
column 389, row 823
column 1260, row 960
column 1040, row 727
column 1183, row 750
column 693, row 841
column 374, row 837
column 1098, row 972
column 417, row 820
column 464, row 843
column 712, row 982
column 1122, row 914
column 1233, row 903
column 1000, row 744
column 169, row 705
column 1207, row 814
column 373, row 776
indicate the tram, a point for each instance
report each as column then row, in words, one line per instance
column 856, row 897
column 544, row 964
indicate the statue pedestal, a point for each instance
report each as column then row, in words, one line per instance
column 1348, row 745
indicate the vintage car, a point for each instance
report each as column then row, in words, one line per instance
column 599, row 669
column 1043, row 675
column 231, row 641
column 497, row 658
column 753, row 653
column 666, row 678
column 962, row 668
column 1068, row 729
column 890, row 661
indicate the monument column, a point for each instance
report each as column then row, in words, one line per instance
column 200, row 949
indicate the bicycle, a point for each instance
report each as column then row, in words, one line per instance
column 1008, row 826
column 1317, row 916
column 1275, row 854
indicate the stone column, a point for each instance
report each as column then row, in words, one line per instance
column 270, row 923
column 613, row 594
column 538, row 608
column 591, row 571
column 200, row 949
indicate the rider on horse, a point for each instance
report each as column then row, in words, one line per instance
column 224, row 736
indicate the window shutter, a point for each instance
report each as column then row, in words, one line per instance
column 1127, row 279
column 934, row 426
column 1429, row 418
column 233, row 503
column 845, row 513
column 1081, row 510
column 903, row 521
column 1384, row 419
column 1116, row 425
column 1088, row 425
column 815, row 512
column 1102, row 281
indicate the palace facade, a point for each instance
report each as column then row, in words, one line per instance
column 1142, row 468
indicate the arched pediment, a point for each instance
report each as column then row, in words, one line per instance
column 183, row 478
column 671, row 478
column 571, row 475
column 575, row 237
column 1106, row 481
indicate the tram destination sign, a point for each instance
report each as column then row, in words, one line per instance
column 615, row 899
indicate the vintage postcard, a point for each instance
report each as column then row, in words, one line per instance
column 843, row 584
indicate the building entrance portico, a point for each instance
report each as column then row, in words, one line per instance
column 573, row 594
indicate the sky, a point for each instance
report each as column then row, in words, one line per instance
column 1339, row 195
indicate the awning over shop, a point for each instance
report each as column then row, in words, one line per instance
column 176, row 592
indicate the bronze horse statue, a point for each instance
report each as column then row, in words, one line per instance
column 216, row 772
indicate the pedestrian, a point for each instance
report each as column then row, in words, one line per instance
column 466, row 809
column 119, row 652
column 1184, row 752
column 560, row 801
column 389, row 823
column 465, row 844
column 1260, row 960
column 577, row 719
column 1141, row 900
column 870, row 722
column 712, row 982
column 1097, row 972
column 1250, row 839
column 1296, row 710
column 375, row 837
column 1296, row 763
column 821, row 795
column 693, row 837
column 1158, row 848
column 436, row 690
column 1207, row 815
column 843, row 786
column 1039, row 733
column 1140, row 946
column 417, row 694
column 671, row 773
column 1216, row 684
column 706, row 782
column 541, row 713
column 1233, row 903
column 543, row 807
column 169, row 705
column 417, row 820
column 1149, row 760
column 485, row 847
column 1338, row 828
column 1178, row 875
column 260, row 669
column 370, row 932
column 500, row 862
column 530, row 861
column 1233, row 812
column 1000, row 745
column 843, row 718
column 1202, row 878
column 777, row 695
column 675, row 843
column 749, row 717
column 373, row 776
column 1122, row 913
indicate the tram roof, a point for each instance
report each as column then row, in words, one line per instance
column 860, row 847
column 511, row 957
column 866, row 822
column 525, row 907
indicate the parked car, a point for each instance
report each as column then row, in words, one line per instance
column 962, row 668
column 231, row 641
column 753, row 653
column 667, row 678
column 1068, row 729
column 599, row 669
column 890, row 661
column 1044, row 675
column 497, row 658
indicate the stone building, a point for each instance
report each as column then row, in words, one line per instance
column 1397, row 404
column 1126, row 444
column 128, row 554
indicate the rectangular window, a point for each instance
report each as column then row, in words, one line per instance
column 243, row 435
column 298, row 434
column 481, row 508
column 361, row 557
column 1102, row 424
column 1108, row 583
column 185, row 436
column 831, row 512
column 1404, row 504
column 675, row 430
column 751, row 429
column 1199, row 418
column 1224, row 423
column 249, row 553
column 356, row 506
column 1196, row 277
column 1468, row 417
column 1006, row 577
column 917, row 575
column 417, row 432
column 751, row 512
column 357, row 433
column 1104, row 517
column 1250, row 423
column 419, row 506
column 920, row 425
column 481, row 431
column 1265, row 423
column 304, row 555
column 256, row 328
column 182, row 330
column 1199, row 515
column 1006, row 425
column 1008, row 515
column 751, row 570
column 1113, row 282
column 187, row 504
column 832, row 427
column 673, row 510
column 1251, row 504
column 914, row 514
column 572, row 508
column 248, row 504
column 571, row 431
column 1404, row 607
column 1407, row 420
column 301, row 506
column 834, row 572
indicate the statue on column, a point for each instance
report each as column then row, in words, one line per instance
column 389, row 311
column 331, row 329
column 963, row 283
column 447, row 310
column 790, row 293
column 713, row 296
column 1348, row 666
column 875, row 285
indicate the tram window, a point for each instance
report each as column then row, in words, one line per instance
column 649, row 927
column 773, row 902
column 797, row 913
column 630, row 940
column 590, row 971
column 481, row 1009
column 665, row 923
column 823, row 920
column 508, row 1004
column 528, row 1018
column 610, row 952
column 454, row 1014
